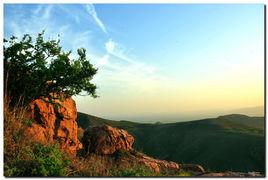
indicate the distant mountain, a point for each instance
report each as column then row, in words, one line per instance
column 250, row 111
column 228, row 143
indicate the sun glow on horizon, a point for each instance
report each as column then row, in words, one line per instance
column 195, row 59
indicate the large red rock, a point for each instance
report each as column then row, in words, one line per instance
column 106, row 140
column 55, row 121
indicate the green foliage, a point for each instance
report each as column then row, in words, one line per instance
column 49, row 160
column 28, row 122
column 40, row 160
column 35, row 69
column 135, row 171
column 184, row 173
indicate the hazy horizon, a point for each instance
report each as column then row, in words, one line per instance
column 170, row 118
column 158, row 61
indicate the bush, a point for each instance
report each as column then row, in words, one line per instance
column 185, row 173
column 40, row 160
column 48, row 160
column 28, row 122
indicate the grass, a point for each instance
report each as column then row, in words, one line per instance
column 185, row 174
column 106, row 166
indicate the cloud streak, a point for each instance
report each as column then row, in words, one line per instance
column 30, row 21
column 91, row 10
column 124, row 72
column 117, row 50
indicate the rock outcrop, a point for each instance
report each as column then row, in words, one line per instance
column 55, row 121
column 105, row 140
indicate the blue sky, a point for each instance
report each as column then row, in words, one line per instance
column 158, row 60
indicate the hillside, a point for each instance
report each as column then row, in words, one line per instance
column 227, row 143
column 42, row 140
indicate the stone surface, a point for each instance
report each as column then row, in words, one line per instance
column 55, row 121
column 106, row 140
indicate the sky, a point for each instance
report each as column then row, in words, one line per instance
column 158, row 62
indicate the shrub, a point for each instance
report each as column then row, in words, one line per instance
column 28, row 122
column 47, row 160
column 41, row 160
column 185, row 173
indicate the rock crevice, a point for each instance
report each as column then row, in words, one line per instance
column 55, row 122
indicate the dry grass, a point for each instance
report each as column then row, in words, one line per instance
column 14, row 131
column 93, row 165
column 107, row 166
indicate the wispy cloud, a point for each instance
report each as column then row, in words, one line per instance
column 72, row 13
column 47, row 12
column 30, row 22
column 91, row 10
column 110, row 45
column 128, row 73
column 117, row 50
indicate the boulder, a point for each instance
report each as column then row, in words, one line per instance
column 105, row 140
column 55, row 121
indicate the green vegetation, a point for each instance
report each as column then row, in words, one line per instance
column 28, row 122
column 132, row 171
column 36, row 69
column 48, row 161
column 184, row 173
column 226, row 143
column 39, row 160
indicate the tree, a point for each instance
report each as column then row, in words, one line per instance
column 37, row 69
